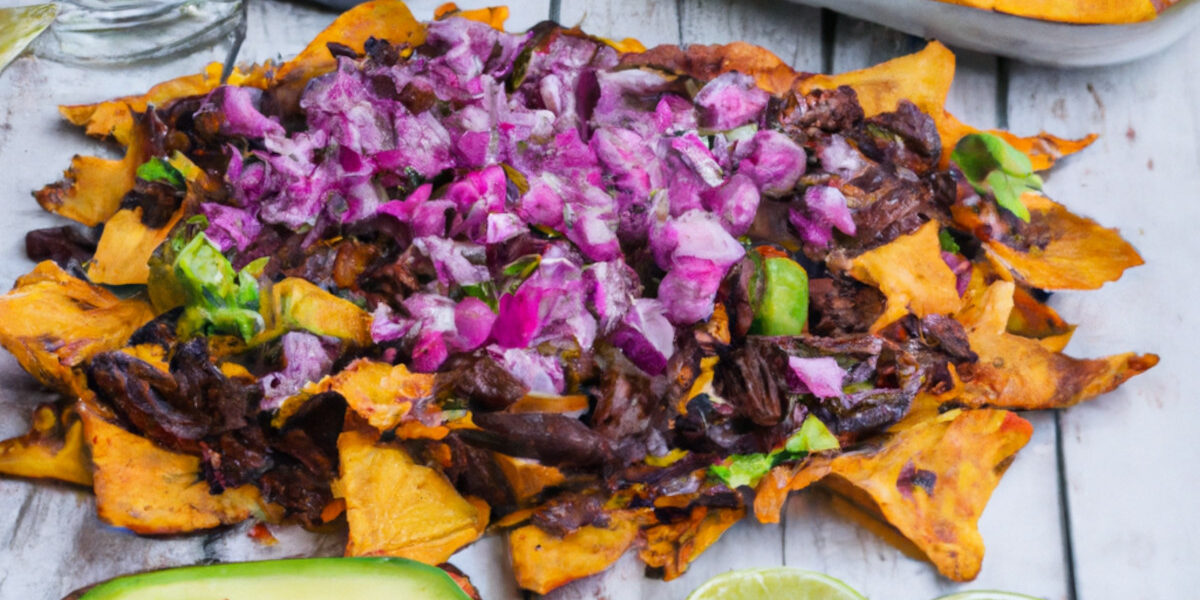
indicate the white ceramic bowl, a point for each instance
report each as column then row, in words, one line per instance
column 1030, row 40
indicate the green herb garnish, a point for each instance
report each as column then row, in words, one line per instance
column 747, row 469
column 992, row 165
column 159, row 170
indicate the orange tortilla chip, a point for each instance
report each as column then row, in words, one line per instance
column 115, row 117
column 52, row 449
column 543, row 562
column 382, row 19
column 149, row 490
column 1042, row 149
column 92, row 188
column 123, row 254
column 925, row 285
column 772, row 492
column 672, row 547
column 922, row 78
column 378, row 392
column 706, row 62
column 932, row 481
column 1021, row 373
column 492, row 15
column 1091, row 12
column 1033, row 319
column 54, row 323
column 395, row 507
column 1080, row 254
column 527, row 477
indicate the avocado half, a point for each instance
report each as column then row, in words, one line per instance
column 295, row 579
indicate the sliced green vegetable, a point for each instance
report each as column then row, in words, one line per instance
column 286, row 579
column 744, row 469
column 485, row 291
column 947, row 241
column 158, row 169
column 747, row 469
column 993, row 165
column 217, row 300
column 783, row 309
column 813, row 436
column 516, row 272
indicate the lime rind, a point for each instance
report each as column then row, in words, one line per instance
column 986, row 595
column 776, row 583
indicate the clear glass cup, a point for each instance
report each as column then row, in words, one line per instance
column 126, row 31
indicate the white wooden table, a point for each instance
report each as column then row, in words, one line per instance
column 1102, row 503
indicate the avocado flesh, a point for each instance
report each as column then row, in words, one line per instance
column 297, row 579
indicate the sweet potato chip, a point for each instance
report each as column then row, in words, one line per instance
column 1020, row 373
column 924, row 79
column 396, row 507
column 543, row 562
column 115, row 117
column 149, row 490
column 772, row 492
column 378, row 392
column 925, row 285
column 932, row 481
column 1042, row 149
column 672, row 547
column 123, row 253
column 92, row 188
column 1092, row 12
column 492, row 15
column 52, row 449
column 1033, row 319
column 527, row 477
column 53, row 323
column 297, row 303
column 382, row 19
column 124, row 250
column 706, row 62
column 1079, row 253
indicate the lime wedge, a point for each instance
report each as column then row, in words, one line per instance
column 775, row 583
column 986, row 595
column 18, row 27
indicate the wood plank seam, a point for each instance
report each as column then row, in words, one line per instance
column 1064, row 508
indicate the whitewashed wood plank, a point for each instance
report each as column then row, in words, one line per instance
column 1021, row 526
column 277, row 30
column 1131, row 459
column 651, row 22
column 792, row 32
column 859, row 44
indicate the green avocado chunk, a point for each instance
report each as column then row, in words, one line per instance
column 295, row 579
column 783, row 309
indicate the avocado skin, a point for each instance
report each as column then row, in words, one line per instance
column 438, row 584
